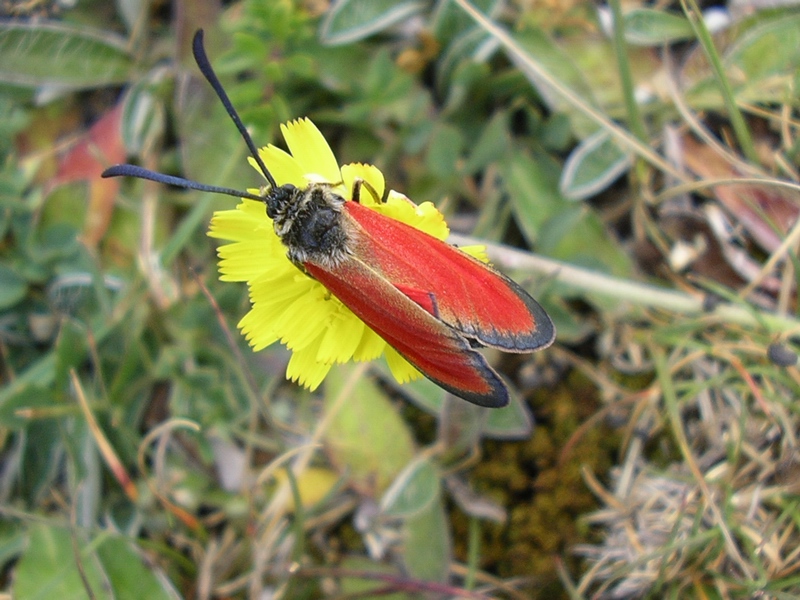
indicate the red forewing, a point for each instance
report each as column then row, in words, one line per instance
column 454, row 287
column 428, row 300
column 433, row 347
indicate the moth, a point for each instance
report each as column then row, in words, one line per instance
column 433, row 303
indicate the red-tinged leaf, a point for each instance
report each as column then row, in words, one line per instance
column 766, row 212
column 100, row 147
column 101, row 205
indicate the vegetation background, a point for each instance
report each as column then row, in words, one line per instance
column 648, row 154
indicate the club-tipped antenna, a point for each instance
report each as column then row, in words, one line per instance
column 142, row 173
column 205, row 68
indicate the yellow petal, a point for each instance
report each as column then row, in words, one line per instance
column 271, row 298
column 313, row 484
column 311, row 150
column 305, row 370
column 425, row 217
column 245, row 261
column 477, row 251
column 370, row 347
column 283, row 166
column 242, row 223
column 402, row 370
column 253, row 208
column 278, row 292
column 256, row 328
column 303, row 322
column 299, row 323
column 341, row 338
column 371, row 175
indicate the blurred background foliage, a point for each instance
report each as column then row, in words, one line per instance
column 147, row 452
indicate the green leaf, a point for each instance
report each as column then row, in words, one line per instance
column 427, row 550
column 492, row 144
column 71, row 349
column 592, row 166
column 512, row 422
column 460, row 428
column 13, row 118
column 12, row 537
column 580, row 63
column 534, row 192
column 421, row 392
column 16, row 405
column 143, row 117
column 558, row 227
column 578, row 235
column 761, row 60
column 38, row 376
column 130, row 577
column 572, row 328
column 459, row 66
column 56, row 241
column 415, row 489
column 213, row 152
column 12, row 287
column 41, row 459
column 767, row 49
column 357, row 587
column 449, row 20
column 48, row 568
column 131, row 11
column 444, row 151
column 366, row 436
column 36, row 54
column 352, row 20
column 540, row 48
column 650, row 27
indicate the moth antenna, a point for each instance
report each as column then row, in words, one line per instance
column 205, row 68
column 142, row 173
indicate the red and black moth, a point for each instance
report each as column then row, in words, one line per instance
column 430, row 301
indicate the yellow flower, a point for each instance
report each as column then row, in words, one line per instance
column 287, row 305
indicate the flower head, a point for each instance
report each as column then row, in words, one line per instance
column 287, row 305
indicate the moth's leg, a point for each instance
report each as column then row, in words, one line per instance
column 358, row 183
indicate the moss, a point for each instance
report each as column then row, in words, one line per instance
column 541, row 487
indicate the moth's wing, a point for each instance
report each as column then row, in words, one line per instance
column 456, row 288
column 440, row 353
